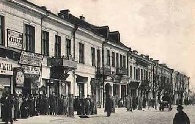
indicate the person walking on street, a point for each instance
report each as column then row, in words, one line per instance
column 108, row 105
column 181, row 117
column 70, row 106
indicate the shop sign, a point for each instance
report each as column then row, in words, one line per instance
column 31, row 70
column 32, row 59
column 6, row 67
column 14, row 39
column 18, row 76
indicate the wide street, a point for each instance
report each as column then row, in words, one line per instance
column 151, row 116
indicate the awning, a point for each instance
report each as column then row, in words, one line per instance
column 81, row 79
column 134, row 84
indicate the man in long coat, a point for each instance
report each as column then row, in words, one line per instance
column 129, row 103
column 108, row 105
column 181, row 117
column 70, row 106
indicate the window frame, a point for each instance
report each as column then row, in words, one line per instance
column 108, row 58
column 57, row 46
column 45, row 43
column 2, row 28
column 117, row 60
column 30, row 38
column 98, row 58
column 92, row 56
column 113, row 59
column 68, row 47
column 81, row 53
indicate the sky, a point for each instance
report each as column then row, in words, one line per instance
column 162, row 29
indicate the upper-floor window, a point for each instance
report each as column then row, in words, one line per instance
column 131, row 71
column 45, row 43
column 134, row 70
column 93, row 56
column 68, row 47
column 138, row 74
column 117, row 60
column 98, row 58
column 142, row 75
column 2, row 26
column 81, row 53
column 30, row 38
column 121, row 60
column 113, row 59
column 149, row 76
column 57, row 46
column 108, row 57
column 124, row 61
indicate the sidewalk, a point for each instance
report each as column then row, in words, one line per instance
column 51, row 119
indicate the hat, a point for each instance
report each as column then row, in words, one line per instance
column 180, row 106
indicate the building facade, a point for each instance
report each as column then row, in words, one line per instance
column 63, row 54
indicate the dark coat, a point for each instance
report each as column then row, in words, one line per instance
column 181, row 118
column 108, row 105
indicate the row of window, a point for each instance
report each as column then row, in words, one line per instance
column 30, row 47
column 116, row 59
column 30, row 44
column 139, row 74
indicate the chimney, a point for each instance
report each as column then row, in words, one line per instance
column 147, row 57
column 135, row 52
column 156, row 61
column 82, row 18
column 142, row 55
column 44, row 7
column 64, row 13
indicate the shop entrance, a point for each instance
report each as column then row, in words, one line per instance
column 27, row 86
column 123, row 91
column 81, row 89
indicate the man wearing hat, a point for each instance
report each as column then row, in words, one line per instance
column 181, row 117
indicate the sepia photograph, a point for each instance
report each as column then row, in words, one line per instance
column 97, row 61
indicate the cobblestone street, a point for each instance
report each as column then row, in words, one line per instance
column 120, row 117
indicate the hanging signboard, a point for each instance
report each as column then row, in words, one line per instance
column 31, row 70
column 6, row 67
column 18, row 76
column 14, row 39
column 32, row 59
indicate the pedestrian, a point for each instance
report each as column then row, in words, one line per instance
column 70, row 106
column 24, row 108
column 108, row 105
column 31, row 104
column 88, row 105
column 52, row 104
column 5, row 108
column 129, row 103
column 181, row 117
column 65, row 105
column 113, row 104
column 16, row 107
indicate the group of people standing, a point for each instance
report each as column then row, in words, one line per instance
column 24, row 106
column 85, row 106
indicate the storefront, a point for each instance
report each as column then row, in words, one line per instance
column 81, row 84
column 31, row 65
column 133, row 88
column 6, row 75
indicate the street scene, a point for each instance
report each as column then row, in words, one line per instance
column 150, row 116
column 65, row 62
